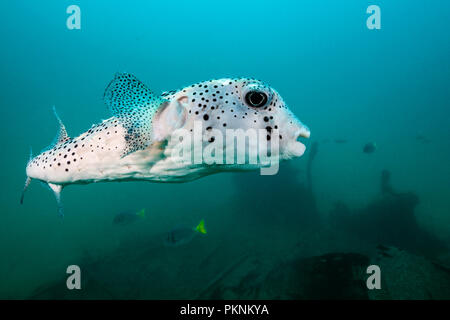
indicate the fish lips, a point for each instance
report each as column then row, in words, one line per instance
column 295, row 147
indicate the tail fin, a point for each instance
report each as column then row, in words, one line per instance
column 28, row 179
column 27, row 183
column 141, row 213
column 201, row 227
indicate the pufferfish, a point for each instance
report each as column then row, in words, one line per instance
column 136, row 142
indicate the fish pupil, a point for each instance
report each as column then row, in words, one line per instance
column 256, row 98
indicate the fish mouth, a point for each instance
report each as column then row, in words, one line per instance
column 296, row 147
column 303, row 132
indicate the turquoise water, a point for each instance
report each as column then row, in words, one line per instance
column 388, row 86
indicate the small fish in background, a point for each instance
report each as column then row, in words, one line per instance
column 422, row 139
column 370, row 147
column 340, row 140
column 183, row 235
column 127, row 217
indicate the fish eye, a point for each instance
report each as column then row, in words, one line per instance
column 256, row 99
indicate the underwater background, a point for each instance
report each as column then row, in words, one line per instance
column 308, row 232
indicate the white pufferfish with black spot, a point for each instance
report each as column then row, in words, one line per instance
column 135, row 143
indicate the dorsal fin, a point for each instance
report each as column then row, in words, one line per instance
column 134, row 105
column 62, row 135
column 125, row 94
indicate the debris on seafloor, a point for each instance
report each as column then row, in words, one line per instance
column 214, row 284
column 144, row 269
column 330, row 276
column 405, row 276
column 389, row 220
column 335, row 276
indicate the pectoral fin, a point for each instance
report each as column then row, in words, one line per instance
column 169, row 118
